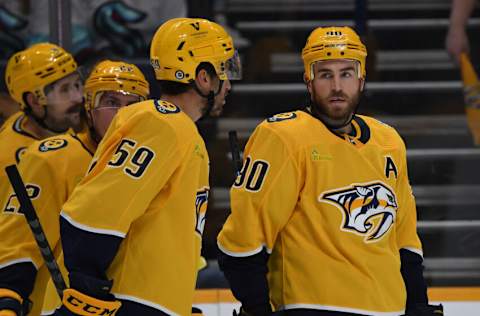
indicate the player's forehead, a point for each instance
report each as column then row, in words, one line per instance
column 116, row 94
column 117, row 97
column 67, row 80
column 335, row 65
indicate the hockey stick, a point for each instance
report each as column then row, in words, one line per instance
column 235, row 151
column 27, row 208
column 471, row 90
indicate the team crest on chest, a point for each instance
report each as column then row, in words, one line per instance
column 368, row 209
column 52, row 144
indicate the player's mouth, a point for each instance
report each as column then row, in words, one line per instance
column 337, row 100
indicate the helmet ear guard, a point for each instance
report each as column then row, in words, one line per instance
column 36, row 67
column 332, row 43
column 180, row 45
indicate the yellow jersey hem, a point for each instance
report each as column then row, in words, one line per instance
column 20, row 260
column 243, row 254
column 47, row 313
column 414, row 250
column 91, row 229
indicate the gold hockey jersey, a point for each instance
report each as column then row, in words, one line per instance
column 14, row 139
column 50, row 169
column 333, row 211
column 148, row 184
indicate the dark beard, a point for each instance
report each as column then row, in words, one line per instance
column 317, row 108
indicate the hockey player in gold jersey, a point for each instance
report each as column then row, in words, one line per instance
column 51, row 168
column 43, row 80
column 131, row 231
column 323, row 218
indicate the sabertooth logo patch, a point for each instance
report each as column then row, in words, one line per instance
column 201, row 203
column 368, row 209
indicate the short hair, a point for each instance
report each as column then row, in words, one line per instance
column 176, row 88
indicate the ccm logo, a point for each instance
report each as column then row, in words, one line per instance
column 91, row 309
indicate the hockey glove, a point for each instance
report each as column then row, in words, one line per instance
column 425, row 310
column 12, row 304
column 259, row 311
column 77, row 303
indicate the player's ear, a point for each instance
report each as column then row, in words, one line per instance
column 203, row 76
column 32, row 102
column 308, row 83
column 202, row 79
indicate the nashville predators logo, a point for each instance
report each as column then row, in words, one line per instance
column 368, row 209
column 165, row 107
column 281, row 117
column 201, row 203
column 52, row 144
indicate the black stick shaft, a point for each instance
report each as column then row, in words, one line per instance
column 27, row 208
column 235, row 150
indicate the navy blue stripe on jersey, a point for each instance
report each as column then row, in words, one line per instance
column 412, row 273
column 83, row 145
column 19, row 277
column 87, row 253
column 17, row 127
column 247, row 277
column 364, row 129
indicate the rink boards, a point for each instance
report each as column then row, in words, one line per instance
column 457, row 301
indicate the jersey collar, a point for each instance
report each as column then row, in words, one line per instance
column 85, row 140
column 360, row 133
column 20, row 126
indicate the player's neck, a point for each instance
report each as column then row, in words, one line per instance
column 347, row 129
column 188, row 103
column 34, row 128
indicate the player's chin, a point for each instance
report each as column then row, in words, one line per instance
column 216, row 111
column 74, row 120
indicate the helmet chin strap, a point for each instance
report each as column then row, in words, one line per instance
column 210, row 98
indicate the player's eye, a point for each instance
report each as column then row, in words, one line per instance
column 325, row 75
